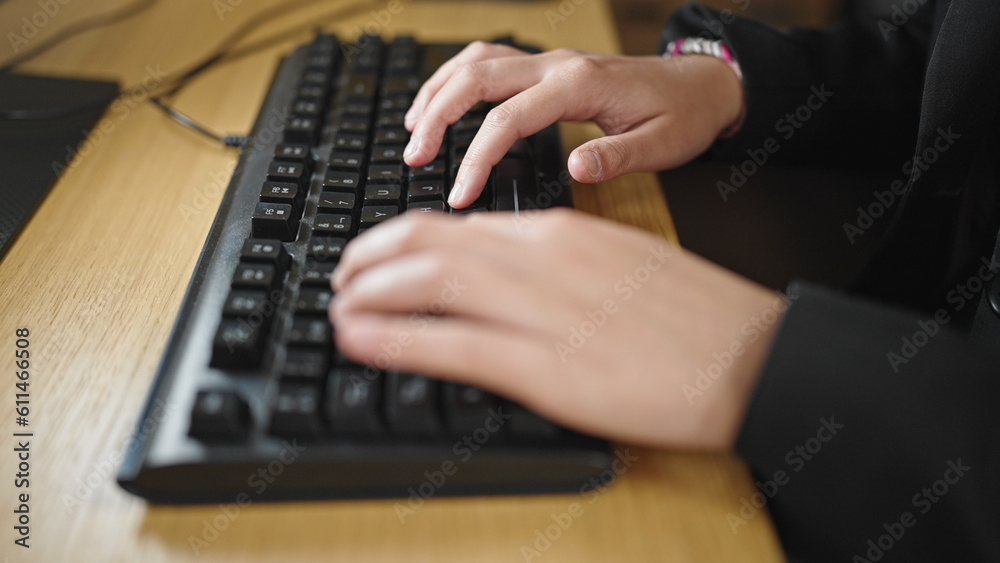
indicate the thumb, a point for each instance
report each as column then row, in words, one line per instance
column 647, row 148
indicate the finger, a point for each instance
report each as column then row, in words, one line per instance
column 475, row 51
column 460, row 350
column 412, row 233
column 647, row 148
column 488, row 80
column 458, row 283
column 522, row 115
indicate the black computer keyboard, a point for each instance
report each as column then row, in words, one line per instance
column 251, row 396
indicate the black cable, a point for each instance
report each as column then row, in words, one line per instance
column 224, row 51
column 228, row 140
column 77, row 28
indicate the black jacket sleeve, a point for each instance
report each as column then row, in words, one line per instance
column 872, row 435
column 870, row 77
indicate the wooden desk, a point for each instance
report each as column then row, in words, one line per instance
column 99, row 274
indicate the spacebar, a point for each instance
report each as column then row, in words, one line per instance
column 516, row 186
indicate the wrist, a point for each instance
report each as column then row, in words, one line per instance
column 729, row 84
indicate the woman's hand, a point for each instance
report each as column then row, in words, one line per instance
column 658, row 113
column 598, row 326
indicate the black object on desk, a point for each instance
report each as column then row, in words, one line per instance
column 43, row 120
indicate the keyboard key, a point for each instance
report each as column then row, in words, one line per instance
column 385, row 173
column 307, row 107
column 241, row 303
column 382, row 194
column 467, row 408
column 296, row 411
column 353, row 127
column 426, row 207
column 274, row 220
column 391, row 136
column 292, row 172
column 283, row 192
column 348, row 141
column 375, row 214
column 323, row 249
column 268, row 251
column 321, row 77
column 358, row 85
column 515, row 184
column 347, row 161
column 411, row 405
column 318, row 92
column 388, row 154
column 295, row 152
column 398, row 102
column 395, row 119
column 255, row 276
column 401, row 83
column 328, row 224
column 313, row 301
column 526, row 425
column 306, row 364
column 338, row 181
column 321, row 61
column 301, row 130
column 237, row 344
column 219, row 415
column 426, row 190
column 352, row 402
column 361, row 110
column 337, row 202
column 310, row 331
column 318, row 274
column 431, row 171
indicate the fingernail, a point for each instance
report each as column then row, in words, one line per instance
column 456, row 194
column 592, row 162
column 412, row 147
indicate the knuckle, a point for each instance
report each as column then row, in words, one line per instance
column 478, row 49
column 478, row 76
column 501, row 117
column 581, row 68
